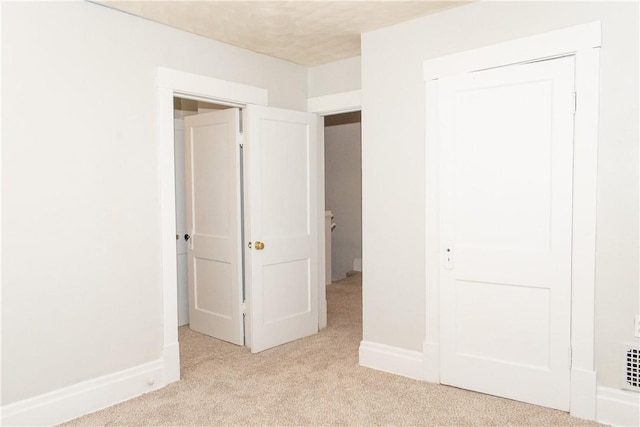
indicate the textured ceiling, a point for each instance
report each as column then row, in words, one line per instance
column 304, row 32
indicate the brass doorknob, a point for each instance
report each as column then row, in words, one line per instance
column 259, row 246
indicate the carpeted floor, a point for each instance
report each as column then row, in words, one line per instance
column 312, row 381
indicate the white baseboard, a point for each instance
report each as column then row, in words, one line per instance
column 583, row 393
column 89, row 396
column 618, row 407
column 392, row 359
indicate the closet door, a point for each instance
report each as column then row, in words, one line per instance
column 506, row 146
column 212, row 142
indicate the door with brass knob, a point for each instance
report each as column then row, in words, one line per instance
column 282, row 207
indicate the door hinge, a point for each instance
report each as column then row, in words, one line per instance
column 570, row 356
column 243, row 308
column 575, row 102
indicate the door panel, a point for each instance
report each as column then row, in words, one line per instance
column 281, row 212
column 506, row 147
column 212, row 147
column 284, row 297
column 285, row 173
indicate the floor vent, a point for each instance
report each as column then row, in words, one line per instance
column 632, row 368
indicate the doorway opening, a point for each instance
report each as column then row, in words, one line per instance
column 274, row 200
column 174, row 83
column 343, row 195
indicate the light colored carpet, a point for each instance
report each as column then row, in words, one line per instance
column 313, row 381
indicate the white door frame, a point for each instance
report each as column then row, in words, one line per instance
column 171, row 83
column 582, row 42
column 343, row 102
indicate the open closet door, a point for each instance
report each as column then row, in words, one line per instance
column 281, row 224
column 212, row 145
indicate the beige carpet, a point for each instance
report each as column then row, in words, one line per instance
column 313, row 381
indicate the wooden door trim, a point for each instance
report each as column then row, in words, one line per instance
column 337, row 103
column 172, row 83
column 583, row 42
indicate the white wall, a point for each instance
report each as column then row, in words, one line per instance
column 393, row 135
column 81, row 278
column 81, row 288
column 335, row 77
column 343, row 194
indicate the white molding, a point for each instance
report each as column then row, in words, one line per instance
column 1, row 210
column 585, row 189
column 89, row 396
column 171, row 362
column 431, row 356
column 172, row 83
column 342, row 102
column 618, row 407
column 583, row 393
column 390, row 359
column 166, row 171
column 322, row 271
column 583, row 42
column 431, row 345
column 208, row 88
column 550, row 44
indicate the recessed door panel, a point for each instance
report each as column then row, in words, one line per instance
column 285, row 183
column 213, row 168
column 213, row 296
column 283, row 295
column 515, row 153
column 517, row 333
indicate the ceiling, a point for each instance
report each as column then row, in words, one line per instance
column 304, row 32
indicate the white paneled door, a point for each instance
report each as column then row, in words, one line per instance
column 212, row 150
column 282, row 225
column 279, row 211
column 506, row 150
